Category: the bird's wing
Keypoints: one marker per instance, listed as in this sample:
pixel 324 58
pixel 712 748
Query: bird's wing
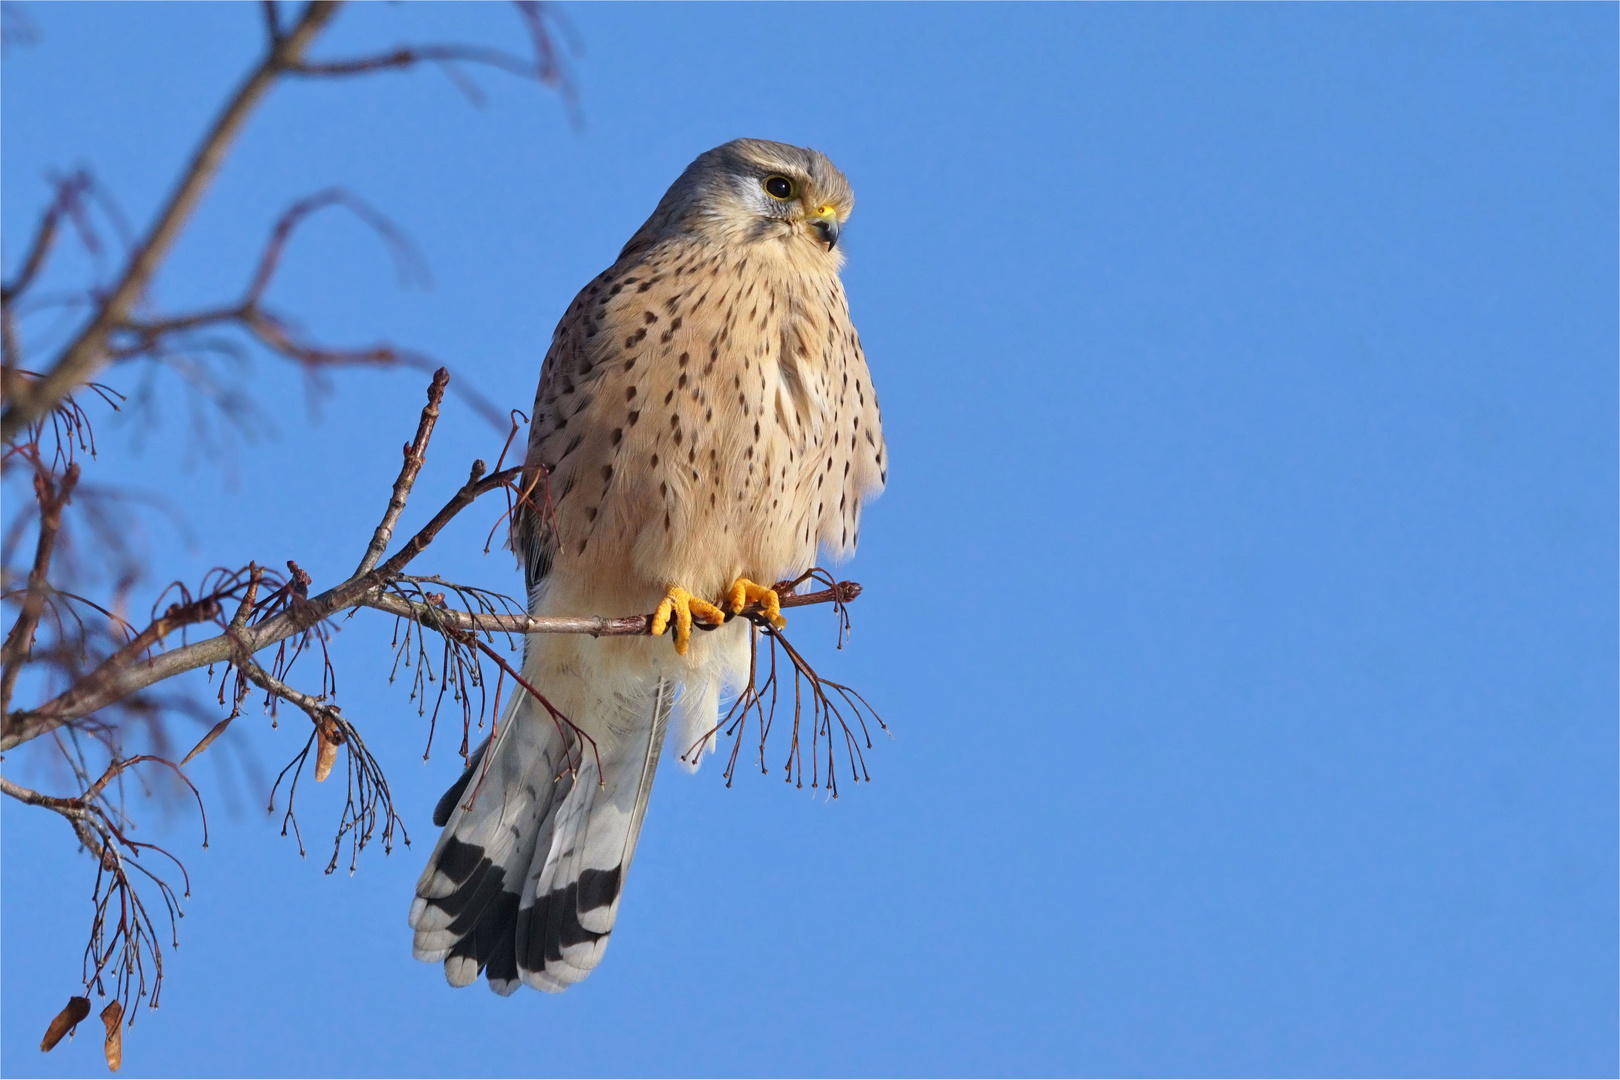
pixel 568 382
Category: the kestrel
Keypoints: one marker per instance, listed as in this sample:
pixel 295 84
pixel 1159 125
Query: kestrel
pixel 704 422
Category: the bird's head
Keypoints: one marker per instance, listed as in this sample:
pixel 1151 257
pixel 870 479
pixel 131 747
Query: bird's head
pixel 752 190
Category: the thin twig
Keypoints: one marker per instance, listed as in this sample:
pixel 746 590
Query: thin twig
pixel 68 192
pixel 51 497
pixel 415 457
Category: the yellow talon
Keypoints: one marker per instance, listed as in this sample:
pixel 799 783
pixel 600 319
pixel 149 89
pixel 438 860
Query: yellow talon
pixel 744 592
pixel 683 606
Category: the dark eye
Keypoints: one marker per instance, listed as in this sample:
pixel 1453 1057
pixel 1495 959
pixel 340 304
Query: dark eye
pixel 779 187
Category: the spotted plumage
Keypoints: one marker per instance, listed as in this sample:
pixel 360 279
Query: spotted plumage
pixel 704 415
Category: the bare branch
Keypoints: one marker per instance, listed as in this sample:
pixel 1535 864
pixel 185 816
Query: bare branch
pixel 88 351
pixel 316 709
pixel 434 618
pixel 407 56
pixel 123 673
pixel 594 625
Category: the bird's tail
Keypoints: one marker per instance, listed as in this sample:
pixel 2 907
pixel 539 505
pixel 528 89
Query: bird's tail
pixel 538 834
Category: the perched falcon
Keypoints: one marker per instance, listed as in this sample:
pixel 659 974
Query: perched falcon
pixel 705 422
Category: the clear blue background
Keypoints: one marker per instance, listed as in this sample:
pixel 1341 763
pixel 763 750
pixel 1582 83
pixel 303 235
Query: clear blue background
pixel 1243 601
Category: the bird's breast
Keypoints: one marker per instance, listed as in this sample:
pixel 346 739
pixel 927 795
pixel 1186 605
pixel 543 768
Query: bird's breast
pixel 711 423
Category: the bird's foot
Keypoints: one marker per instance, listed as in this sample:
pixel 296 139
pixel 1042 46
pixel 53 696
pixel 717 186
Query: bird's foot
pixel 744 592
pixel 682 606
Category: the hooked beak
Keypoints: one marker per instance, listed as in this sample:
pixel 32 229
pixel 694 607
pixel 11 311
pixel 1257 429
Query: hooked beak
pixel 825 223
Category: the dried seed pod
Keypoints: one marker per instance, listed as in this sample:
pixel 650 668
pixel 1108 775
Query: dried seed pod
pixel 113 1017
pixel 77 1009
pixel 327 738
pixel 207 740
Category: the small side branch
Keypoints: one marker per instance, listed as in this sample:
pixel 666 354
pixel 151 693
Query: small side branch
pixel 68 194
pixel 415 457
pixel 369 801
pixel 51 496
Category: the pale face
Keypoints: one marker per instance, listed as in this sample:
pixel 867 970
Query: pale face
pixel 786 195
pixel 750 190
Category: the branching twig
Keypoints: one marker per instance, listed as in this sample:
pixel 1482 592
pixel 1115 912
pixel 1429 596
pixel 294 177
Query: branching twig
pixel 87 352
pixel 123 935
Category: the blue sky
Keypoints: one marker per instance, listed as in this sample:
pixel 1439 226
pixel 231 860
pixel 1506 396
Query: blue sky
pixel 1242 602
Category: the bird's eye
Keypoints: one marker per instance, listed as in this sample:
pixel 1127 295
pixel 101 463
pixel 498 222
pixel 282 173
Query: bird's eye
pixel 779 187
